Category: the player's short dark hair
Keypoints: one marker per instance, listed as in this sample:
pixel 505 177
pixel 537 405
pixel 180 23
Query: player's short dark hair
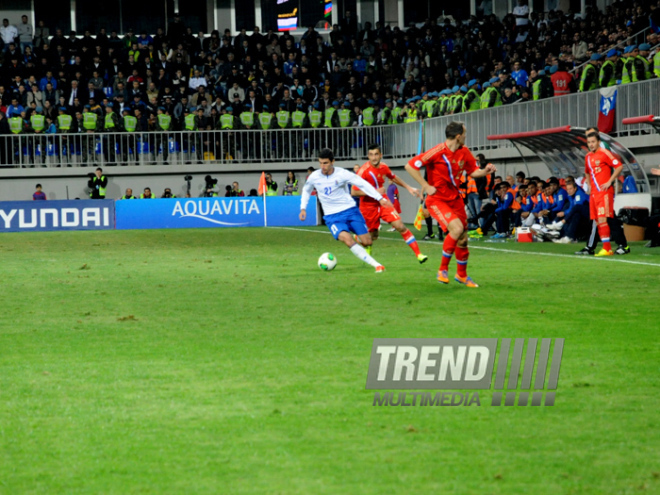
pixel 522 186
pixel 554 181
pixel 591 129
pixel 375 146
pixel 504 184
pixel 521 175
pixel 327 154
pixel 593 135
pixel 38 186
pixel 541 185
pixel 454 129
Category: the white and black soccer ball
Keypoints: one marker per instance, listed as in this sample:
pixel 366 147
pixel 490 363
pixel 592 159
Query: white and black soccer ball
pixel 327 262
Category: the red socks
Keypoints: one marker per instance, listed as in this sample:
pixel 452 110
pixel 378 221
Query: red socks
pixel 411 241
pixel 448 248
pixel 604 233
pixel 462 255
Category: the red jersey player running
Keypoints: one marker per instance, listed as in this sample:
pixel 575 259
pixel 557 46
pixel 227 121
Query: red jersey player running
pixel 375 172
pixel 444 165
pixel 601 170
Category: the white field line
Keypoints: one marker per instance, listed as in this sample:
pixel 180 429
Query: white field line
pixel 484 248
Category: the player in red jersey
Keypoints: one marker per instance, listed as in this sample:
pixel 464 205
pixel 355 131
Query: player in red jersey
pixel 444 165
pixel 600 171
pixel 375 172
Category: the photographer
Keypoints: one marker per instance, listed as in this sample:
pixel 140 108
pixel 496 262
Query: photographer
pixel 209 188
pixel 97 183
pixel 168 193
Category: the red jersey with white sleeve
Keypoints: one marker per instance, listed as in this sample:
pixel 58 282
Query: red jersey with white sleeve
pixel 599 167
pixel 376 177
pixel 444 169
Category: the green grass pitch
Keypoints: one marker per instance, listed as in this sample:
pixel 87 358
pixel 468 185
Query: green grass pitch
pixel 225 361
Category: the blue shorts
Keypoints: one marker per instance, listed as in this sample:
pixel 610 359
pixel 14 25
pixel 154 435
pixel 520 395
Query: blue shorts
pixel 350 220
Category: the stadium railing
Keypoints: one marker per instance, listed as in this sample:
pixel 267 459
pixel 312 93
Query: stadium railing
pixel 293 145
pixel 577 110
pixel 204 146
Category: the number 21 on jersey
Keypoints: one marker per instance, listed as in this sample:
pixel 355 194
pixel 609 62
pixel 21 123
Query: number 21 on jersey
pixel 327 191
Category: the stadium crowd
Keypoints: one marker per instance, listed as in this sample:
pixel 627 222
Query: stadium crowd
pixel 58 83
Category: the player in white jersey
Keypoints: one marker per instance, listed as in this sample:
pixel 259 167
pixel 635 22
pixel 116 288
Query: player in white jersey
pixel 333 189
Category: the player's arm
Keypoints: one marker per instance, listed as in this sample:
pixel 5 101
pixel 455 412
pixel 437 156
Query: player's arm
pixel 418 177
pixel 367 188
pixel 616 164
pixel 655 171
pixel 483 172
pixel 615 174
pixel 400 182
pixel 560 203
pixel 506 204
pixel 304 199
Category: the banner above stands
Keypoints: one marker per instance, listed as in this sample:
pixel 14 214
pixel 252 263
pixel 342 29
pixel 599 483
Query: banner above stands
pixel 34 216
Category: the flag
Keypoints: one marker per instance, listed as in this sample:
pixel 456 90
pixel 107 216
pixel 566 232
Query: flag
pixel 419 218
pixel 607 110
pixel 262 184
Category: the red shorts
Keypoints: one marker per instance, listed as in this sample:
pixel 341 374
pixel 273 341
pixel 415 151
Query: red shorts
pixel 446 211
pixel 373 214
pixel 601 204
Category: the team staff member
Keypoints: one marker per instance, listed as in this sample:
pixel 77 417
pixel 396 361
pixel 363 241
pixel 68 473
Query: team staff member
pixel 97 184
pixel 601 170
pixel 444 165
pixel 375 172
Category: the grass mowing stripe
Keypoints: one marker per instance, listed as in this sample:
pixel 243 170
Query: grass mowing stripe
pixel 484 248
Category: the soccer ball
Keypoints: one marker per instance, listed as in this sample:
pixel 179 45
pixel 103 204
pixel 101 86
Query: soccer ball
pixel 327 262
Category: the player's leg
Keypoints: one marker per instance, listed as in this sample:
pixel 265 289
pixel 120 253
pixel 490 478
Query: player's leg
pixel 395 221
pixel 428 219
pixel 371 215
pixel 604 233
pixel 462 254
pixel 593 237
pixel 618 235
pixel 454 228
pixel 603 211
pixel 355 223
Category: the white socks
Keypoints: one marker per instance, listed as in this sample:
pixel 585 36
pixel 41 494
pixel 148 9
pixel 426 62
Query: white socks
pixel 360 252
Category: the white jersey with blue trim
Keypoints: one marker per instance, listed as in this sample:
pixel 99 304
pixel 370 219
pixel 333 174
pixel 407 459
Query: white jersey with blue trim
pixel 334 190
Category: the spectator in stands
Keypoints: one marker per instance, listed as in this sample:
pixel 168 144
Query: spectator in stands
pixel 8 33
pixel 39 195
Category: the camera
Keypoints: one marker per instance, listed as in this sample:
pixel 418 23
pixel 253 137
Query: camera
pixel 210 181
pixel 188 178
pixel 91 175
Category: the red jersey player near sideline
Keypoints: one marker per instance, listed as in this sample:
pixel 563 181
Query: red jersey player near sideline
pixel 601 170
pixel 375 172
pixel 444 165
